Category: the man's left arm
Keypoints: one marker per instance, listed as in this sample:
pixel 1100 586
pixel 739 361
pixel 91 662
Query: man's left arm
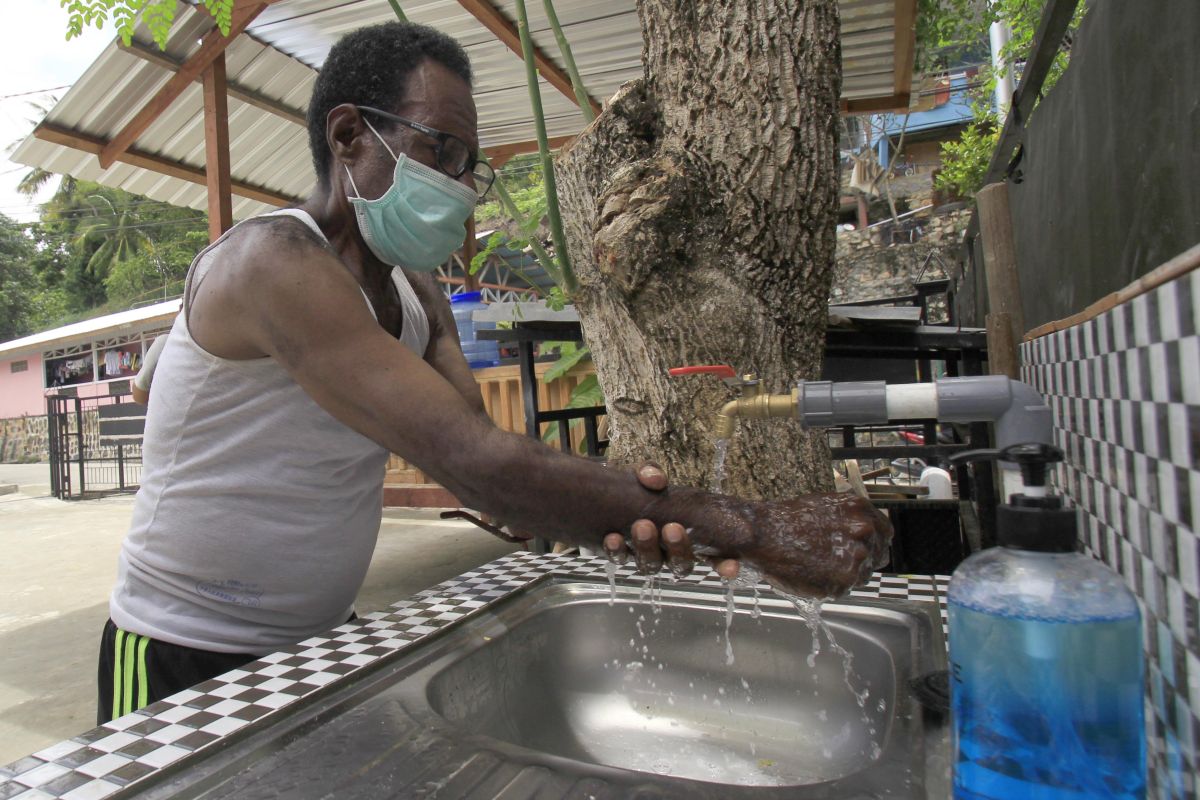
pixel 444 352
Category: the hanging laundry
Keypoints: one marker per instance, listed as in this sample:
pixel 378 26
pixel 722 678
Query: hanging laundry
pixel 866 171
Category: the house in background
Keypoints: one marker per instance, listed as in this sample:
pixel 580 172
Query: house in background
pixel 940 113
pixel 90 358
pixel 940 116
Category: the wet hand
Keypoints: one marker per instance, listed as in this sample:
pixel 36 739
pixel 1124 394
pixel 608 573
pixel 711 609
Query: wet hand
pixel 818 545
pixel 652 548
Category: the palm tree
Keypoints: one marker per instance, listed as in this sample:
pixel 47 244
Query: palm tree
pixel 116 233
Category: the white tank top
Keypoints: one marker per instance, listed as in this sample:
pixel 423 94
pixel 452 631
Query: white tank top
pixel 258 511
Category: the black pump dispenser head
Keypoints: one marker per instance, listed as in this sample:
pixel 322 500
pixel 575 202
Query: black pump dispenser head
pixel 1034 519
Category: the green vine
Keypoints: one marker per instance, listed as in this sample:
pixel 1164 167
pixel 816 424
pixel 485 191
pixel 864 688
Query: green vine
pixel 157 15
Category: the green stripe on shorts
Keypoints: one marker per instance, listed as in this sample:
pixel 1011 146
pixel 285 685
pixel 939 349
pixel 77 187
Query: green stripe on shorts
pixel 117 644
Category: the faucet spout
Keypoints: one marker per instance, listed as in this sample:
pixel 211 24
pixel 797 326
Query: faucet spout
pixel 756 406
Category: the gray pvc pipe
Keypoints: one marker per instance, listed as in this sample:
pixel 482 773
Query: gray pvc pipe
pixel 823 404
pixel 1017 410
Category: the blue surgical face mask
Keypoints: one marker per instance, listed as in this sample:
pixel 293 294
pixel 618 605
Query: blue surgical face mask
pixel 420 220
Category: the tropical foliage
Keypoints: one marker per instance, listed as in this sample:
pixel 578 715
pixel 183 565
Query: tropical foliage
pixel 93 250
pixel 953 32
pixel 125 14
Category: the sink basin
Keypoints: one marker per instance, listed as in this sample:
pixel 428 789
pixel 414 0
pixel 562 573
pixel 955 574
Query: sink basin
pixel 579 680
pixel 562 689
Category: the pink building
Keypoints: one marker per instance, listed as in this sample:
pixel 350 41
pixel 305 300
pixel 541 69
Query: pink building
pixel 94 357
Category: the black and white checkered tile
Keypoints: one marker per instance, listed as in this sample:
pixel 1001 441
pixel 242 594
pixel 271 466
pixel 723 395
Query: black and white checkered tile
pixel 1125 392
pixel 110 758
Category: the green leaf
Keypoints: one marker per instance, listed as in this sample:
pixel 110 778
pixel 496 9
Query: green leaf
pixel 157 15
pixel 493 243
pixel 556 299
pixel 566 361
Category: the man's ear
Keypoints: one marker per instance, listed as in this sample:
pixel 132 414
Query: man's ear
pixel 344 131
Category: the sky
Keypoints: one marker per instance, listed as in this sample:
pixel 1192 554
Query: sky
pixel 37 64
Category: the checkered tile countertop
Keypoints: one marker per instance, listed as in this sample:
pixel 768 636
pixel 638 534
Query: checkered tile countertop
pixel 119 754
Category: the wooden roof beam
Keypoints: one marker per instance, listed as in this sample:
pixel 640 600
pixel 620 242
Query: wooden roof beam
pixel 212 44
pixel 506 31
pixel 906 46
pixel 240 93
pixel 897 103
pixel 502 153
pixel 54 134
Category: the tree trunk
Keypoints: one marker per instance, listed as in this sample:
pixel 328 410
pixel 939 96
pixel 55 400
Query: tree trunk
pixel 700 209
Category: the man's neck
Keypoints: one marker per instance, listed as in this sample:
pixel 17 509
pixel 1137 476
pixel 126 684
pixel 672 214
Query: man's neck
pixel 335 217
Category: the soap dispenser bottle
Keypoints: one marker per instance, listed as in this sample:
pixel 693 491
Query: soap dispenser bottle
pixel 1045 657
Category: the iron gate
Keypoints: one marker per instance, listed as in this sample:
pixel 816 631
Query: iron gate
pixel 95 445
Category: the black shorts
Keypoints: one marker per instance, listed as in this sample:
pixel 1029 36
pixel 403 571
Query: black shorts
pixel 136 671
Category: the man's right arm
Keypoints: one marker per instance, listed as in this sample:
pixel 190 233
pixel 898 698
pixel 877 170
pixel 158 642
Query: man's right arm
pixel 302 307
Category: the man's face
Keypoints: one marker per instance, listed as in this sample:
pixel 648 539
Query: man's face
pixel 436 97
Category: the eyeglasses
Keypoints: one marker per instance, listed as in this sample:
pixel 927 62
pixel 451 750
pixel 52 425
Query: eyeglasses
pixel 453 155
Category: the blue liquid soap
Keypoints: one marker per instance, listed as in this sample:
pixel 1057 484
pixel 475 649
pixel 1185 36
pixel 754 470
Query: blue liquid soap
pixel 1047 679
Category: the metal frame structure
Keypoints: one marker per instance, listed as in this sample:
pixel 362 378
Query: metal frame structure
pixel 526 335
pixel 80 468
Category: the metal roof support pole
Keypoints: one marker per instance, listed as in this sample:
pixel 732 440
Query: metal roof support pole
pixel 216 149
pixel 539 118
pixel 564 47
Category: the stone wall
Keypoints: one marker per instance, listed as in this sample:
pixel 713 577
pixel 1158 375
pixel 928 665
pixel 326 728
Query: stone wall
pixel 24 440
pixel 884 261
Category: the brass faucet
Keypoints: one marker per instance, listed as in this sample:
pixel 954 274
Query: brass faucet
pixel 755 403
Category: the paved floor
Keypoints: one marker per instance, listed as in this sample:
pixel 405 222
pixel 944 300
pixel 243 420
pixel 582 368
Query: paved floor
pixel 59 564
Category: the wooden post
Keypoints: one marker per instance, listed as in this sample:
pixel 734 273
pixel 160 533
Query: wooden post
pixel 1003 357
pixel 216 149
pixel 863 219
pixel 471 282
pixel 1006 319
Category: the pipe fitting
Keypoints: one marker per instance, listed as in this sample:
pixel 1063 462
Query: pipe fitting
pixel 1018 411
pixel 823 404
pixel 757 406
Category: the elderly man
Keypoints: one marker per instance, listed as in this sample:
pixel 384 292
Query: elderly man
pixel 314 341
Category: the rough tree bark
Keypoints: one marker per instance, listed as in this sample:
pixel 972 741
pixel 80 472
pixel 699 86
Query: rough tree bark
pixel 700 209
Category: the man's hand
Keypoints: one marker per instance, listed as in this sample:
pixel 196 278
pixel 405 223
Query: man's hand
pixel 818 545
pixel 651 545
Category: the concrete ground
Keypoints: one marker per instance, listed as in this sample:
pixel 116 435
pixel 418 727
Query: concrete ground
pixel 58 566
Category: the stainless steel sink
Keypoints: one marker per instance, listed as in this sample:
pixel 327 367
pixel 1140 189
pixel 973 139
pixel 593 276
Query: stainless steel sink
pixel 558 691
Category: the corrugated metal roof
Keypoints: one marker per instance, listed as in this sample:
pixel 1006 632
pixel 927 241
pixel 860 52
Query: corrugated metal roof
pixel 121 322
pixel 278 56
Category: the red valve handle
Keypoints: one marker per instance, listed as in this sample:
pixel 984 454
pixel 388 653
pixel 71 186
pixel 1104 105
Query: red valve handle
pixel 720 370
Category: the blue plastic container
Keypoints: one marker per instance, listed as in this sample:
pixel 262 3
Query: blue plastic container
pixel 479 353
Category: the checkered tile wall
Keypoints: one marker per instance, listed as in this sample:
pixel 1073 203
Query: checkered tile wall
pixel 1125 392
